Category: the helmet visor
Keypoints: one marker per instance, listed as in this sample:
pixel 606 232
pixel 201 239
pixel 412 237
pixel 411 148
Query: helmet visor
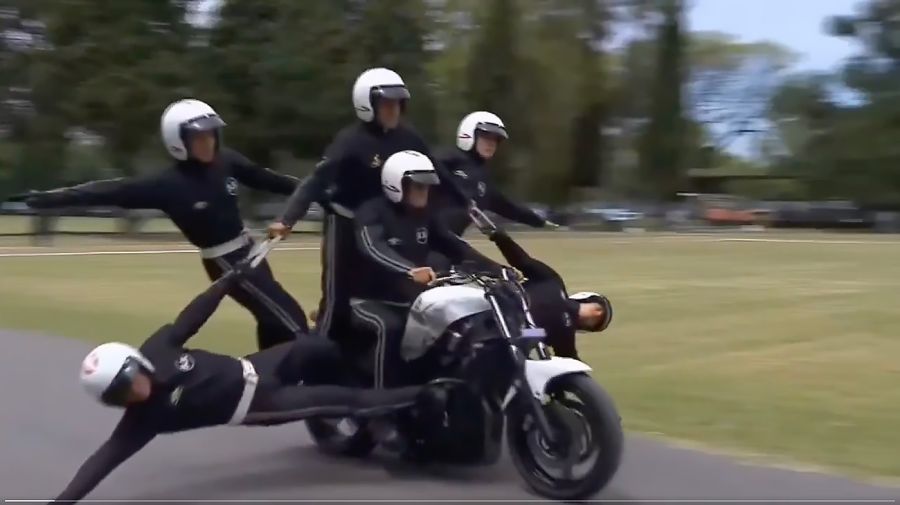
pixel 396 92
pixel 492 128
pixel 119 389
pixel 428 178
pixel 202 124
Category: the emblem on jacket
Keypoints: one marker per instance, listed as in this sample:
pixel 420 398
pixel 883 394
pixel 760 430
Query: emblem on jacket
pixel 231 185
pixel 376 161
pixel 567 319
pixel 394 241
pixel 185 362
pixel 461 174
pixel 482 188
pixel 422 235
pixel 201 205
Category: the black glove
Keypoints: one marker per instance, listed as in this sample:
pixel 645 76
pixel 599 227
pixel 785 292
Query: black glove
pixel 497 234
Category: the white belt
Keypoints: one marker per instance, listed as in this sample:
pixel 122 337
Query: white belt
pixel 232 245
pixel 250 381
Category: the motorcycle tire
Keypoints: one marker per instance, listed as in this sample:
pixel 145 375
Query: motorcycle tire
pixel 330 440
pixel 595 409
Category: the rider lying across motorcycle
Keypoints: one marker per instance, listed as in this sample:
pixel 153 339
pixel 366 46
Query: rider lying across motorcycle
pixel 395 235
pixel 164 387
pixel 552 308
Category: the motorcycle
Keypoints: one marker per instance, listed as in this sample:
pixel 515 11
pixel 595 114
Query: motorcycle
pixel 474 333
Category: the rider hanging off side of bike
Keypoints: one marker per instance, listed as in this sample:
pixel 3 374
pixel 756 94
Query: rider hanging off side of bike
pixel 560 314
pixel 395 234
pixel 164 387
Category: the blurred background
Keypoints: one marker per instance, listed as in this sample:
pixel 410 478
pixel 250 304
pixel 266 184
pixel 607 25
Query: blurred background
pixel 623 113
pixel 731 119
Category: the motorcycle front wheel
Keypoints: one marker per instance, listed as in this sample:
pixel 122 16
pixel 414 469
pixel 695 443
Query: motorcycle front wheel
pixel 588 454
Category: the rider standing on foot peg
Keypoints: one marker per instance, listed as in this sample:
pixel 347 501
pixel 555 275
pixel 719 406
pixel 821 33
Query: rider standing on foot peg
pixel 199 193
pixel 561 315
pixel 347 176
pixel 395 235
pixel 166 388
pixel 477 139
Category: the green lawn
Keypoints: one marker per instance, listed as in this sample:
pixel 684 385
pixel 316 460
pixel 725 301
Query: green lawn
pixel 783 349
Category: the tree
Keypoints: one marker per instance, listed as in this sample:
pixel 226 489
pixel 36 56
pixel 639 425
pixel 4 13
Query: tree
pixel 30 111
pixel 848 149
pixel 568 91
pixel 232 65
pixel 729 84
pixel 114 66
pixel 494 74
pixel 661 148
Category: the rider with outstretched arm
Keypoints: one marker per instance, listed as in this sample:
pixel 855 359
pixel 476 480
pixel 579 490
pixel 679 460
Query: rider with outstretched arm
pixel 552 308
pixel 478 137
pixel 167 388
pixel 347 176
pixel 199 193
pixel 395 233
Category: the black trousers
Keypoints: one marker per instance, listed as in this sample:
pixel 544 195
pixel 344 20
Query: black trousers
pixel 279 318
pixel 379 327
pixel 339 255
pixel 279 399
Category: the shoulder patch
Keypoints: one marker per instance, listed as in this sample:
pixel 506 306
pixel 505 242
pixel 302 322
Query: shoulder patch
pixel 185 362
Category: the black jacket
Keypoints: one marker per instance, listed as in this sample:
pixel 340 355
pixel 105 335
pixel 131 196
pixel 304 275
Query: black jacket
pixel 393 240
pixel 350 172
pixel 201 199
pixel 548 297
pixel 191 389
pixel 470 174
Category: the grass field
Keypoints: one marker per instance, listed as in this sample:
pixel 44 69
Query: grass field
pixel 787 348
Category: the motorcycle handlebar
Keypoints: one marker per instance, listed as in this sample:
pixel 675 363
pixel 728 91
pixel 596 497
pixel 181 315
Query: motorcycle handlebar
pixel 455 276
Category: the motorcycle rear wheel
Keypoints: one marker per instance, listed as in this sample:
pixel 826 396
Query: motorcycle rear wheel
pixel 590 413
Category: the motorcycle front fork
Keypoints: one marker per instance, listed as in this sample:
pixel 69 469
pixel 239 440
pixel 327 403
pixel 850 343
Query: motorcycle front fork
pixel 532 405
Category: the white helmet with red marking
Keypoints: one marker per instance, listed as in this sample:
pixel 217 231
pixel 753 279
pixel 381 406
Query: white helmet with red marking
pixel 108 371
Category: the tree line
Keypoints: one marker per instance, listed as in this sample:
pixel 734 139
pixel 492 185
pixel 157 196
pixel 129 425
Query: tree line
pixel 601 98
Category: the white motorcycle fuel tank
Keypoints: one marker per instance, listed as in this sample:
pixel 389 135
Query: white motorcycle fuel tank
pixel 434 311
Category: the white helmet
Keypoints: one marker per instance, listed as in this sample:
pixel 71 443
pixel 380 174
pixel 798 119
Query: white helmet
pixel 478 121
pixel 373 84
pixel 108 371
pixel 591 297
pixel 183 116
pixel 411 165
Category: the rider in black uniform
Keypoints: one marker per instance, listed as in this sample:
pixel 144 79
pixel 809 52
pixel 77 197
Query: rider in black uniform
pixel 395 233
pixel 167 388
pixel 199 194
pixel 552 308
pixel 347 176
pixel 477 139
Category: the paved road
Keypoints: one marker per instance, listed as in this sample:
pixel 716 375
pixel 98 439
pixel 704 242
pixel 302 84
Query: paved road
pixel 49 426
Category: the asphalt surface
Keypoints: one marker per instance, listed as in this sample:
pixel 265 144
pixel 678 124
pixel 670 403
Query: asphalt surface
pixel 49 427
